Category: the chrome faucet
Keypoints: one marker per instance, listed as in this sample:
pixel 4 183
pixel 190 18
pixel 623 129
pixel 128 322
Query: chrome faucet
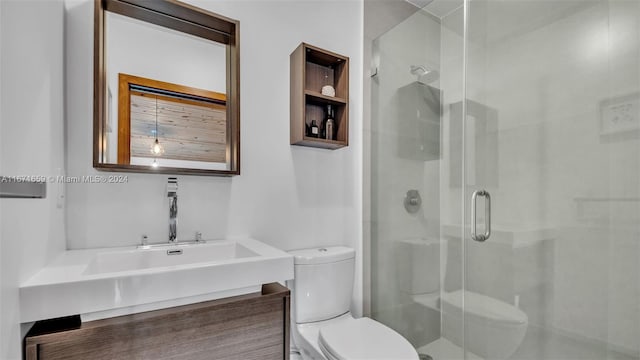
pixel 172 193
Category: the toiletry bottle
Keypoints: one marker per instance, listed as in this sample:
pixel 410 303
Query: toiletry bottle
pixel 314 129
pixel 323 124
pixel 329 123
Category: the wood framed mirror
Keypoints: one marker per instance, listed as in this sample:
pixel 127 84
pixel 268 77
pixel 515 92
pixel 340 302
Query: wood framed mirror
pixel 166 89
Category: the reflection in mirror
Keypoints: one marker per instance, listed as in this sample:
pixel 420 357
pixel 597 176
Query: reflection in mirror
pixel 171 125
pixel 169 98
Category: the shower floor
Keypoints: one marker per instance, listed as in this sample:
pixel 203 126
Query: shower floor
pixel 538 344
pixel 544 344
pixel 443 349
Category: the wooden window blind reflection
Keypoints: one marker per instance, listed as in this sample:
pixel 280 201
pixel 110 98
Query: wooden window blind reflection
pixel 192 123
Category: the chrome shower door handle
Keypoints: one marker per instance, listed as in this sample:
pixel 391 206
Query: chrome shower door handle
pixel 487 216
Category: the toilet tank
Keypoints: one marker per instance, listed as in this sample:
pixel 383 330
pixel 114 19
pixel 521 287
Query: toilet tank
pixel 419 265
pixel 323 283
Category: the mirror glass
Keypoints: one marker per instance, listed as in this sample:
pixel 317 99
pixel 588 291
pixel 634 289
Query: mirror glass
pixel 165 98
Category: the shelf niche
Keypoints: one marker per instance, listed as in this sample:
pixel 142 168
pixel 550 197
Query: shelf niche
pixel 311 69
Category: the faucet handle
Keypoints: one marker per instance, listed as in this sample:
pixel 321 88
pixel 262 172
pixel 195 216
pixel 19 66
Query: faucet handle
pixel 198 236
pixel 144 240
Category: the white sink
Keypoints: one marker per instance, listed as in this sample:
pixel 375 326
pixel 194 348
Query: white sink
pixel 167 256
pixel 98 283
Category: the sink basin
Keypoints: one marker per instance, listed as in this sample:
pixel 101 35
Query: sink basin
pixel 167 256
pixel 100 283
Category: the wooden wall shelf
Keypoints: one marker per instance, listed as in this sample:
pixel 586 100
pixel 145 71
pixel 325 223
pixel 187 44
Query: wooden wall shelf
pixel 314 96
pixel 311 69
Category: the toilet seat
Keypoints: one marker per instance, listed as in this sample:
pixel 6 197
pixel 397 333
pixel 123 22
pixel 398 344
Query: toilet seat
pixel 363 339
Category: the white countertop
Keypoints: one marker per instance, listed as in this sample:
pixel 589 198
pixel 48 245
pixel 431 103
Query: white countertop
pixel 65 287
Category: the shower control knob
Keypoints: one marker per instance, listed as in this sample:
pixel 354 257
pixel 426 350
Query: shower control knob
pixel 412 201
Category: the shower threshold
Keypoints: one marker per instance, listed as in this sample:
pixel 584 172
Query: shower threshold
pixel 443 349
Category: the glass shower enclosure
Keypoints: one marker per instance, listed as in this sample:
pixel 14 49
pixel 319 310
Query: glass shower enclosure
pixel 504 169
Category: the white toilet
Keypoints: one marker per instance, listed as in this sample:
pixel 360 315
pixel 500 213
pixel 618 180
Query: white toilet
pixel 323 328
pixel 494 329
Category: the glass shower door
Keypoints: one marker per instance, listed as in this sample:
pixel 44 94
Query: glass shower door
pixel 551 137
pixel 405 159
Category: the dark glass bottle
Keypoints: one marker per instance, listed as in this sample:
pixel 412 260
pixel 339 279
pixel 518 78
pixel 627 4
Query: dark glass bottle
pixel 314 131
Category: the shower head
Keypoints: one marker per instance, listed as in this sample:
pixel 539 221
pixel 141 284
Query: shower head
pixel 424 74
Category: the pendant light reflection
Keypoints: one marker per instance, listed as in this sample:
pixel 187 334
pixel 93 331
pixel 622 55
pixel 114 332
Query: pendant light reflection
pixel 156 148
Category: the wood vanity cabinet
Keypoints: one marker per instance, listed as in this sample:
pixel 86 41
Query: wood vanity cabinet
pixel 252 326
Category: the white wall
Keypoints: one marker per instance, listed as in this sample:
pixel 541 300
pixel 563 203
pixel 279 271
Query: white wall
pixel 143 49
pixel 287 196
pixel 139 48
pixel 31 117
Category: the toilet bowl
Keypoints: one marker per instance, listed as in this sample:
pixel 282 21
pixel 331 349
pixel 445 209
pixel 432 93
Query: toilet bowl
pixel 346 338
pixel 494 329
pixel 322 326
